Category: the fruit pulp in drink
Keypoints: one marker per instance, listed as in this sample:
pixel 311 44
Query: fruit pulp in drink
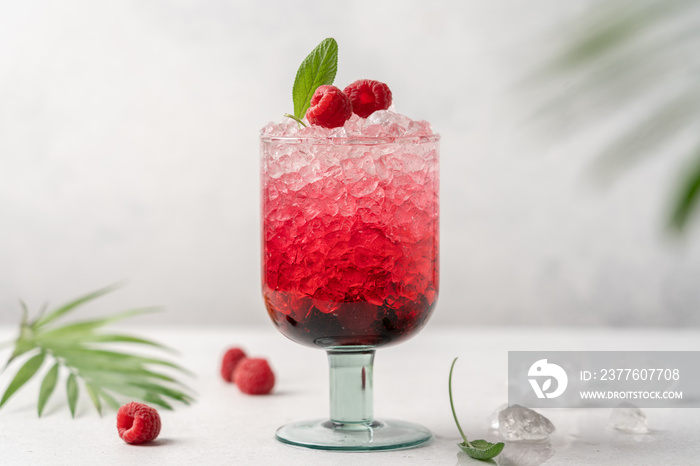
pixel 350 238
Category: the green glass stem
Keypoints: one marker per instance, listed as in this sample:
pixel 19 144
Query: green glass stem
pixel 352 426
pixel 351 387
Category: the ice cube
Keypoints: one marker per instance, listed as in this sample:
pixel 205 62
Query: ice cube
pixel 519 423
pixel 313 131
pixel 353 126
pixel 419 128
pixel 363 187
pixel 628 418
pixel 376 131
pixel 493 418
pixel 285 128
pixel 526 453
pixel 386 118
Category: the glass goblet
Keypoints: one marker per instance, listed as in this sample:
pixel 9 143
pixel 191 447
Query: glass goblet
pixel 350 263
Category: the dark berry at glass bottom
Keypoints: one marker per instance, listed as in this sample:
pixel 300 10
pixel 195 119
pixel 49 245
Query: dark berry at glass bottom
pixel 350 263
pixel 352 323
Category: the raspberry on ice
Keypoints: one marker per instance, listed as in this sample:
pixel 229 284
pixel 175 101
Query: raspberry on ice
pixel 329 108
pixel 368 96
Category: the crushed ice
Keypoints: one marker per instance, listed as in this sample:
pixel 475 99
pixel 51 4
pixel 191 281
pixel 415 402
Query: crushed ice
pixel 382 123
pixel 493 418
pixel 526 453
pixel 519 423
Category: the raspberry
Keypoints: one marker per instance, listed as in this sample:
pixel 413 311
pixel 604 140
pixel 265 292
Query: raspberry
pixel 229 362
pixel 137 423
pixel 330 108
pixel 368 96
pixel 254 376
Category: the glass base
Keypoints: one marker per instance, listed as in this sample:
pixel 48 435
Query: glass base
pixel 322 434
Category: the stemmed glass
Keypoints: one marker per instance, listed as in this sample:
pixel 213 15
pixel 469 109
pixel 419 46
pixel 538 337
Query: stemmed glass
pixel 350 263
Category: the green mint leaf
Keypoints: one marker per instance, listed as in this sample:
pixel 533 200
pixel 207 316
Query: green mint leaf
pixel 72 393
pixel 477 449
pixel 24 373
pixel 317 69
pixel 481 449
pixel 47 386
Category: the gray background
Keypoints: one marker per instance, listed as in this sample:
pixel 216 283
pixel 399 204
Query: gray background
pixel 128 150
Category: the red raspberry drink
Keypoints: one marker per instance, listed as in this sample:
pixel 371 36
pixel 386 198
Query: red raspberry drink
pixel 349 242
pixel 350 230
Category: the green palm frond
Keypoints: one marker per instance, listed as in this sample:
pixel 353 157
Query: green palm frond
pixel 78 349
pixel 626 52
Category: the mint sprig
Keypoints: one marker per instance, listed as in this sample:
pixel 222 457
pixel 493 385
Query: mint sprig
pixel 477 449
pixel 300 122
pixel 78 349
pixel 317 69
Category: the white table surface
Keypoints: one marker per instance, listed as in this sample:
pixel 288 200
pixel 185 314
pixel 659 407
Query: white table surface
pixel 227 427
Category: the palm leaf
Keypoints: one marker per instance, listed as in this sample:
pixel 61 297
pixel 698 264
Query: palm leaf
pixel 72 305
pixel 84 328
pixel 110 381
pixel 23 375
pixel 72 393
pixel 80 348
pixel 21 347
pixel 116 338
pixel 625 51
pixel 688 195
pixel 78 354
pixel 109 399
pixel 614 25
pixel 47 387
pixel 670 118
pixel 94 397
pixel 165 391
pixel 133 391
pixel 25 311
pixel 118 371
pixel 156 400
